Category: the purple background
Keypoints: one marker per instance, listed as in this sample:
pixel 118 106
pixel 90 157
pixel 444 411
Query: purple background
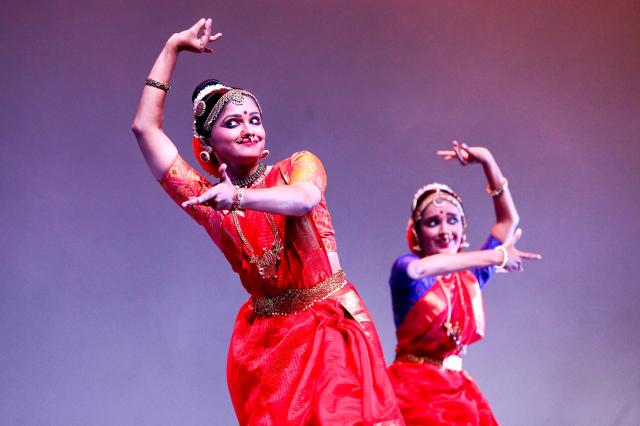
pixel 116 308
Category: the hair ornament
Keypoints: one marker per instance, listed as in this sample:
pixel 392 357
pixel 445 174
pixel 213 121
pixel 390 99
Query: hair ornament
pixel 198 111
pixel 208 89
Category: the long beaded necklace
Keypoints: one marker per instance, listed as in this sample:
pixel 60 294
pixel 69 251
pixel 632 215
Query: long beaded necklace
pixel 267 262
pixel 454 331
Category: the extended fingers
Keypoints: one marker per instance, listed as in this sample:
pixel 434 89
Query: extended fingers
pixel 513 238
pixel 446 155
pixel 461 153
pixel 222 171
pixel 517 235
pixel 190 202
pixel 212 38
pixel 529 255
pixel 196 27
pixel 207 197
pixel 206 33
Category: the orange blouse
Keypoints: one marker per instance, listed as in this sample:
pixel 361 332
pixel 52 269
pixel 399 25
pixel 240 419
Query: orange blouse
pixel 307 239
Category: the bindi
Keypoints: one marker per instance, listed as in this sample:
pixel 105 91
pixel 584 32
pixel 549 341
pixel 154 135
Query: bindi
pixel 245 112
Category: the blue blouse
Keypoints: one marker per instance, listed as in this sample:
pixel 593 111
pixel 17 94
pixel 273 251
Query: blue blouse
pixel 405 291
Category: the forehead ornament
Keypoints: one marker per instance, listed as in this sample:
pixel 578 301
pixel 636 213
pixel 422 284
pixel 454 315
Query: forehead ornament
pixel 236 97
pixel 441 194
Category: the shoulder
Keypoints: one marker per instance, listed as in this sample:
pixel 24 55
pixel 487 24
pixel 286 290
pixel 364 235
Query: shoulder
pixel 303 166
pixel 399 274
pixel 305 159
pixel 491 243
pixel 299 159
pixel 181 173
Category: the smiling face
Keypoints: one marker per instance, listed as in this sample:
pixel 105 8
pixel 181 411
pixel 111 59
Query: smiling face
pixel 237 136
pixel 440 229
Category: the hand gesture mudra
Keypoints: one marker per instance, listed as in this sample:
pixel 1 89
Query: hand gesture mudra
pixel 466 154
pixel 220 196
pixel 196 38
pixel 516 256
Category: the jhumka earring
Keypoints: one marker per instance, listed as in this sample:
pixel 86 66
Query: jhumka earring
pixel 205 154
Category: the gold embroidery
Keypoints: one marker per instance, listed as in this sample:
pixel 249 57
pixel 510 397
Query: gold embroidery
pixel 294 300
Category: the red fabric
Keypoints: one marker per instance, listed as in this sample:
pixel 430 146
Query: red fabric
pixel 321 366
pixel 428 394
pixel 318 367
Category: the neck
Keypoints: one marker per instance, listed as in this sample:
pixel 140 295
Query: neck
pixel 240 171
pixel 246 177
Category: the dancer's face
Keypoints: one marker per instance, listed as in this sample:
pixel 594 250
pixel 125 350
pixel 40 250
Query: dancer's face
pixel 440 229
pixel 237 136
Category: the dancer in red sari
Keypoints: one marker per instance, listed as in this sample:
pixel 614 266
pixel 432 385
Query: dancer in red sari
pixel 437 299
pixel 304 349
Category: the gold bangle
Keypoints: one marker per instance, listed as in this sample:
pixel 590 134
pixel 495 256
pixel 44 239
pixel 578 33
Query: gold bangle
pixel 157 84
pixel 504 184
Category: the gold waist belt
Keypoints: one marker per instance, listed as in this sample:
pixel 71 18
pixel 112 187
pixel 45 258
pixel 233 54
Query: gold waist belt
pixel 294 300
pixel 452 362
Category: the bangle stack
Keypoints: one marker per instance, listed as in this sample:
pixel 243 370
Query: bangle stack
pixel 157 84
pixel 504 184
pixel 505 256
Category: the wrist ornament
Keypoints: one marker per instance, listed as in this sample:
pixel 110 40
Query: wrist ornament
pixel 157 84
pixel 505 256
pixel 237 204
pixel 504 184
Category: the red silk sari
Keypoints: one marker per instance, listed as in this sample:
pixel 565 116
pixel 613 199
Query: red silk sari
pixel 320 366
pixel 428 392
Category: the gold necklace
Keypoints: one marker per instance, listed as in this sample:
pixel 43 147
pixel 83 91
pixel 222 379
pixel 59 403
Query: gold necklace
pixel 267 262
pixel 454 331
pixel 249 181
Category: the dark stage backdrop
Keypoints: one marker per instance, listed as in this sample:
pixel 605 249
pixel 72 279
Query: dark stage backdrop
pixel 117 309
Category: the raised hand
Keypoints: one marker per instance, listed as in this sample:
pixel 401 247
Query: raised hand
pixel 221 196
pixel 196 38
pixel 516 256
pixel 466 154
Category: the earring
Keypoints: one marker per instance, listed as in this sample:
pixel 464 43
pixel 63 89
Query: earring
pixel 464 244
pixel 205 154
pixel 416 242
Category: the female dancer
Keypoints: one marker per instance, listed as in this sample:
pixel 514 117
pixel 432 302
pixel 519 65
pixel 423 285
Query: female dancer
pixel 437 302
pixel 304 349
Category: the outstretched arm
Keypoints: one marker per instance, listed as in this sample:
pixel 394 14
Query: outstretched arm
pixel 510 258
pixel 507 255
pixel 158 150
pixel 299 197
pixel 507 217
pixel 296 199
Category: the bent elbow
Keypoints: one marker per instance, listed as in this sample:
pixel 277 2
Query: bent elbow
pixel 141 126
pixel 137 128
pixel 310 197
pixel 516 220
pixel 306 207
